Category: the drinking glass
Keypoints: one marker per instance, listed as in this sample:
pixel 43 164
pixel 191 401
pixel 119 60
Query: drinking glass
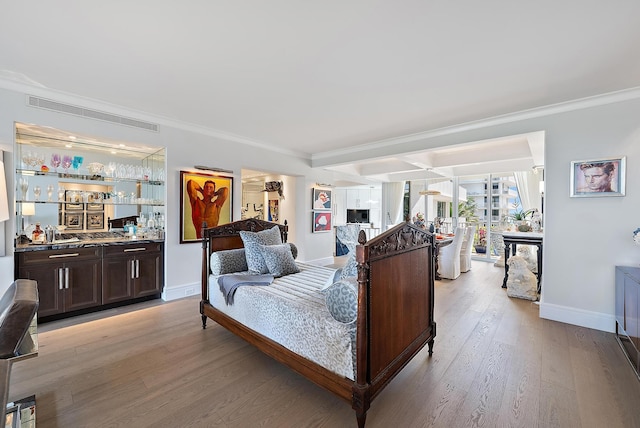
pixel 36 192
pixel 66 163
pixel 24 187
pixel 55 161
pixel 49 192
pixel 77 162
pixel 60 193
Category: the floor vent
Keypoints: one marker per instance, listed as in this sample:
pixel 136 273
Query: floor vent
pixel 92 114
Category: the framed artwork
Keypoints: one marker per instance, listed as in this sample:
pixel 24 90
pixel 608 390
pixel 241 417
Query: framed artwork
pixel 74 221
pixel 273 210
pixel 598 178
pixel 95 220
pixel 321 221
pixel 321 199
pixel 74 200
pixel 203 198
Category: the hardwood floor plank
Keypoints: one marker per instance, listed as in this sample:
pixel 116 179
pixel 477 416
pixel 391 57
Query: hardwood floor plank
pixel 495 363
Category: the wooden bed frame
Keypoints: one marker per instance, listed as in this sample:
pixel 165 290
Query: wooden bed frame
pixel 395 308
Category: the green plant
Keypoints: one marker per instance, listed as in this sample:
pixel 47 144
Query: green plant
pixel 467 209
pixel 520 214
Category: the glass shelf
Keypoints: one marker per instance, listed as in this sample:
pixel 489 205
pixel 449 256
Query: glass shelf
pixel 85 178
pixel 153 203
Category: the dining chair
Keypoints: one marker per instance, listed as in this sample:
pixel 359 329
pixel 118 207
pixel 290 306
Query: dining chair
pixel 465 251
pixel 449 256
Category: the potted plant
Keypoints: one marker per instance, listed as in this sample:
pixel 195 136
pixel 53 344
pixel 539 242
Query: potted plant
pixel 481 240
pixel 520 217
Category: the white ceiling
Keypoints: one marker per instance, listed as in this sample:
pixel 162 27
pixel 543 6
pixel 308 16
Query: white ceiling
pixel 316 77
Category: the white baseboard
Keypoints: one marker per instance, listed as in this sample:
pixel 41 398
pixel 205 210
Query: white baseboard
pixel 181 291
pixel 582 318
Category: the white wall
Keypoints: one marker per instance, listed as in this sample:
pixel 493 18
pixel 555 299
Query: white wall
pixel 585 238
pixel 185 148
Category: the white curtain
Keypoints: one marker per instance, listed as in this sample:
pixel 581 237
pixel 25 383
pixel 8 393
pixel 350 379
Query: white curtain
pixel 529 189
pixel 392 199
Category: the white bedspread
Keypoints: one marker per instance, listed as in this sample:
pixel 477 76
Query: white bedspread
pixel 291 311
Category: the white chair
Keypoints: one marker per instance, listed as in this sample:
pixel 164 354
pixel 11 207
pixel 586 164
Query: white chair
pixel 449 257
pixel 465 251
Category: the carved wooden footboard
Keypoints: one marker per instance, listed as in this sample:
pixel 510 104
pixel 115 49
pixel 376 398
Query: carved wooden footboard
pixel 395 309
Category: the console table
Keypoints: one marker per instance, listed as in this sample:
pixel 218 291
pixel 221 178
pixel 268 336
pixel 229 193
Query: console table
pixel 511 240
pixel 628 313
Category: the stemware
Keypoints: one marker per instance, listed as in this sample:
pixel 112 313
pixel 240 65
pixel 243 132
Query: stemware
pixel 66 163
pixel 55 161
pixel 36 192
pixel 24 187
pixel 60 193
pixel 49 192
pixel 77 162
pixel 111 169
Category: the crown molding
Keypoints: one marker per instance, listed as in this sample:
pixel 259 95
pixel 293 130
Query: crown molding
pixel 78 100
pixel 322 159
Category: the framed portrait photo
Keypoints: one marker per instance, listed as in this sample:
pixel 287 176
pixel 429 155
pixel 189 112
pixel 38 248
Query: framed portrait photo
pixel 203 198
pixel 598 178
pixel 321 199
pixel 321 221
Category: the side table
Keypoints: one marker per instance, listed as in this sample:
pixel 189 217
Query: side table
pixel 511 240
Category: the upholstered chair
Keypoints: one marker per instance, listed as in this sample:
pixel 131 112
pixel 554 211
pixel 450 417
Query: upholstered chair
pixel 465 251
pixel 449 257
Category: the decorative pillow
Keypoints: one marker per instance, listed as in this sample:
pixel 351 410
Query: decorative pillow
pixel 333 278
pixel 252 242
pixel 294 250
pixel 341 299
pixel 279 259
pixel 228 261
pixel 350 269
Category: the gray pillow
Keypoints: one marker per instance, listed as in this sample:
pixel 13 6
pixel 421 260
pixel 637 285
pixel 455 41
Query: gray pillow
pixel 228 261
pixel 252 242
pixel 350 269
pixel 341 299
pixel 279 259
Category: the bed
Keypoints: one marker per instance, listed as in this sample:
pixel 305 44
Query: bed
pixel 393 319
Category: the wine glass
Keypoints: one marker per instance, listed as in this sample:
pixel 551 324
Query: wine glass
pixel 66 163
pixel 49 192
pixel 24 187
pixel 55 161
pixel 77 162
pixel 36 192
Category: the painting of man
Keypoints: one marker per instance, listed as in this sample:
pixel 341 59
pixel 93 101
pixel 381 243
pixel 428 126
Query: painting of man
pixel 205 199
pixel 598 178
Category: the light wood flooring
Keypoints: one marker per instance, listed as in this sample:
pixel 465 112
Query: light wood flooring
pixel 495 364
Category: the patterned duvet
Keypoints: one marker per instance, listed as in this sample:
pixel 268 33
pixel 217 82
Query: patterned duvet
pixel 292 312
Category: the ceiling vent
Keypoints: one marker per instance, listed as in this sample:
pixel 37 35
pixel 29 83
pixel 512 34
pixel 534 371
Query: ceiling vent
pixel 88 113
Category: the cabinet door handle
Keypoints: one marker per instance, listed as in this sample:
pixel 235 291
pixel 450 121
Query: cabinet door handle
pixel 66 277
pixel 60 279
pixel 137 268
pixel 133 269
pixel 129 250
pixel 59 256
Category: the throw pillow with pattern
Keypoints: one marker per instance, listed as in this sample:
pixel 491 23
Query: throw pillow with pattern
pixel 252 242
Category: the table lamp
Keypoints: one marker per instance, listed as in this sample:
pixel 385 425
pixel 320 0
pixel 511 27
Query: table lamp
pixel 28 209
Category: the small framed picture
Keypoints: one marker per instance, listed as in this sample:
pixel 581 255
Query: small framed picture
pixel 321 221
pixel 74 221
pixel 321 199
pixel 95 220
pixel 598 178
pixel 74 201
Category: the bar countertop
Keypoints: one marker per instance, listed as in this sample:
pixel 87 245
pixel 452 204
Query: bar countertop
pixel 87 239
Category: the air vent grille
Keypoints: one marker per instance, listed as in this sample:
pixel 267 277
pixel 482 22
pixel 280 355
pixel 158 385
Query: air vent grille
pixel 88 113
